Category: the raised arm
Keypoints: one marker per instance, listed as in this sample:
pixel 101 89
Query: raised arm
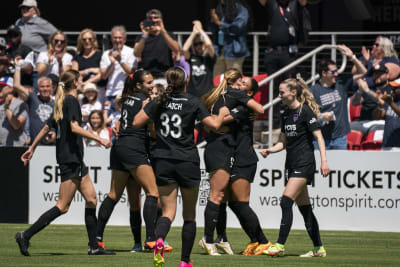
pixel 321 145
pixel 22 91
pixel 360 69
pixel 172 44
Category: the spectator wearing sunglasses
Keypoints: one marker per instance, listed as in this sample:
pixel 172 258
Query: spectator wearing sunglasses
pixel 331 95
pixel 55 60
pixel 35 30
pixel 198 50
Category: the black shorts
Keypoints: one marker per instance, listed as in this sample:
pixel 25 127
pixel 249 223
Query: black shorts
pixel 219 155
pixel 247 172
pixel 73 170
pixel 307 171
pixel 170 171
pixel 124 158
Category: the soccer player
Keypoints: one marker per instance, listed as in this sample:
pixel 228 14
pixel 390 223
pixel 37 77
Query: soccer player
pixel 220 149
pixel 299 127
pixel 176 159
pixel 129 156
pixel 242 175
pixel 66 119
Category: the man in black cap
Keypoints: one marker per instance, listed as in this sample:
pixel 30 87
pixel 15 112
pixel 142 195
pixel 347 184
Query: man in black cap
pixel 15 48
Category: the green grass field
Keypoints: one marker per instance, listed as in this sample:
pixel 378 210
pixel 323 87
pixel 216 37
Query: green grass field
pixel 67 246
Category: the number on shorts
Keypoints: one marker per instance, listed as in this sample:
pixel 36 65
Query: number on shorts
pixel 175 130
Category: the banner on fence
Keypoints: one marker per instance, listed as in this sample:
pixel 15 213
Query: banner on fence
pixel 361 193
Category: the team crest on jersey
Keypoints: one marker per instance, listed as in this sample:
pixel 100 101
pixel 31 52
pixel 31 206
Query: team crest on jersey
pixel 295 117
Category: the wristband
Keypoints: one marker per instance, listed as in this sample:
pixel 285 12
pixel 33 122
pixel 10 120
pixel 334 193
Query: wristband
pixel 120 62
pixel 353 57
pixel 18 67
pixel 86 71
pixel 204 36
pixel 144 36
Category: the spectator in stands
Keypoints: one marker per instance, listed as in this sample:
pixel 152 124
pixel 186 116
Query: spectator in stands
pixel 382 52
pixel 89 101
pixel 13 115
pixel 331 95
pixel 97 127
pixel 55 60
pixel 199 51
pixel 231 19
pixel 15 49
pixel 115 65
pixel 87 61
pixel 287 27
pixel 387 96
pixel 35 30
pixel 40 106
pixel 155 46
pixel 113 117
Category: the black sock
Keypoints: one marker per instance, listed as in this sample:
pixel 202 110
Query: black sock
pixel 162 228
pixel 249 221
pixel 105 211
pixel 287 219
pixel 311 224
pixel 42 222
pixel 159 213
pixel 221 223
pixel 150 217
pixel 135 220
pixel 210 221
pixel 188 236
pixel 91 226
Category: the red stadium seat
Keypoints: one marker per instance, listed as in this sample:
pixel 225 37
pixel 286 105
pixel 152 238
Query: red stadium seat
pixel 354 140
pixel 373 141
pixel 354 111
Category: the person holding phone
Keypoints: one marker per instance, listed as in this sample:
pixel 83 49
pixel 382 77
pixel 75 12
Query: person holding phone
pixel 155 46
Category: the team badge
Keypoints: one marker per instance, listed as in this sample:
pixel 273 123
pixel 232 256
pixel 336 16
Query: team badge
pixel 295 117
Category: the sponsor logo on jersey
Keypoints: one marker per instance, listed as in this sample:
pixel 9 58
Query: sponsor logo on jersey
pixel 313 120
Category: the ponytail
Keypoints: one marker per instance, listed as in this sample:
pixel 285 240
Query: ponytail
pixel 64 86
pixel 303 94
pixel 230 77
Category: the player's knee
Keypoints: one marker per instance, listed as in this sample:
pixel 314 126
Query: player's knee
pixel 63 207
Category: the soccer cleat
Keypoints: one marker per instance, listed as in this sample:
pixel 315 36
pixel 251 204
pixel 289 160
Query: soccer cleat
pixel 23 243
pixel 100 251
pixel 167 247
pixel 316 252
pixel 225 246
pixel 101 244
pixel 159 253
pixel 261 247
pixel 137 247
pixel 210 248
pixel 184 264
pixel 275 250
pixel 251 247
pixel 148 245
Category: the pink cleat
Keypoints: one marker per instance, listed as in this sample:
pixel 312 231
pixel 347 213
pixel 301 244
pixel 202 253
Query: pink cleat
pixel 184 264
pixel 159 253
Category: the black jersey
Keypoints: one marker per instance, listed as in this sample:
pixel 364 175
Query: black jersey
pixel 231 99
pixel 128 135
pixel 298 127
pixel 174 122
pixel 69 146
pixel 244 151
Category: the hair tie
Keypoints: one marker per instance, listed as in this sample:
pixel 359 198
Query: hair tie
pixel 184 72
pixel 131 76
pixel 62 84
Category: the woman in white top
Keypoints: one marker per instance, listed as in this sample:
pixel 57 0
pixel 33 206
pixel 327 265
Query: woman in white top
pixel 55 60
pixel 97 127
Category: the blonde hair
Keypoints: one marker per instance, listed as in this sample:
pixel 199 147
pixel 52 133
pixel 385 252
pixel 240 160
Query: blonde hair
pixel 51 39
pixel 387 47
pixel 303 94
pixel 80 46
pixel 230 77
pixel 64 86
